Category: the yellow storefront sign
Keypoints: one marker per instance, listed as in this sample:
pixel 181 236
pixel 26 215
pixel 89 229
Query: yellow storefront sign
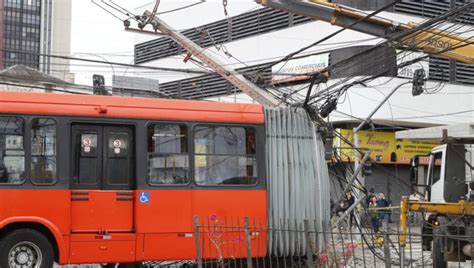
pixel 383 146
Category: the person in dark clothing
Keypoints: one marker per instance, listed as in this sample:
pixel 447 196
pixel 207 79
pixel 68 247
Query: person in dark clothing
pixel 341 207
pixel 333 206
pixel 374 214
pixel 368 199
pixel 3 174
pixel 382 202
pixel 350 200
pixel 370 196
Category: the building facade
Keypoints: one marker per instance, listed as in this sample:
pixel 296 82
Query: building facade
pixel 31 31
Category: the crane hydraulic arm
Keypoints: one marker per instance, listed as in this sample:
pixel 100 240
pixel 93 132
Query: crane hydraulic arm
pixel 460 208
pixel 432 41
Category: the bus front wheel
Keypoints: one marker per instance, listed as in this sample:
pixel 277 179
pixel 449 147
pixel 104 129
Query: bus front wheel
pixel 26 248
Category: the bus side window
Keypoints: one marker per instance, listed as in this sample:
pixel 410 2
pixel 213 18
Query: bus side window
pixel 225 155
pixel 168 155
pixel 12 151
pixel 43 151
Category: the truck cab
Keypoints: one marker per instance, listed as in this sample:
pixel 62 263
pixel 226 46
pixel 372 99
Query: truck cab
pixel 448 179
pixel 449 173
pixel 448 225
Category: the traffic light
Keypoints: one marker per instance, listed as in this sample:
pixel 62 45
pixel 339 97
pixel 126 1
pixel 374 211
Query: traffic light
pixel 98 85
pixel 418 82
pixel 367 169
pixel 328 107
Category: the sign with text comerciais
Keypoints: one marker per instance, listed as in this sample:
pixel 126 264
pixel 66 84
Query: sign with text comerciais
pixel 297 69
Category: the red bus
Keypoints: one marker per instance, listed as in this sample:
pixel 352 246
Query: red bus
pixel 100 179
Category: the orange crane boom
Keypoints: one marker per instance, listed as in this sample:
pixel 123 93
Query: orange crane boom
pixel 431 41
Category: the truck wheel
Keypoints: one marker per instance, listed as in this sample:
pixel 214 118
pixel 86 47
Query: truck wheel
pixel 438 250
pixel 26 248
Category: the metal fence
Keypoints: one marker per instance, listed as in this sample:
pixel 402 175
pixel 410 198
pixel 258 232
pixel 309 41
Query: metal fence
pixel 245 243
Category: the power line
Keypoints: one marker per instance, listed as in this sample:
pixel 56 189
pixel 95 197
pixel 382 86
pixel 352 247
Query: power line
pixel 34 85
pixel 381 73
pixel 413 31
pixel 166 69
pixel 436 115
pixel 396 106
pixel 181 8
pixel 40 87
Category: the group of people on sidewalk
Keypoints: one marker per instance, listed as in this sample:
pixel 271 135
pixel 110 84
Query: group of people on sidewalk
pixel 375 204
pixel 378 208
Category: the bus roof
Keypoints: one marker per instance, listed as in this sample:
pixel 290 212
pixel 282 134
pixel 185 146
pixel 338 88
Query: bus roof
pixel 128 107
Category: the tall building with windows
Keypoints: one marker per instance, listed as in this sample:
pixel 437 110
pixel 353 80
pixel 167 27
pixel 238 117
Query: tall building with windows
pixel 33 29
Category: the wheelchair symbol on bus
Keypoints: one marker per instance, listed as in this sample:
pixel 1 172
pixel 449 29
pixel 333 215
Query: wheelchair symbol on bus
pixel 144 197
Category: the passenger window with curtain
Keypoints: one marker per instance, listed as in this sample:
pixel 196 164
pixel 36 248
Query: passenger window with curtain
pixel 12 151
pixel 225 156
pixel 168 155
pixel 43 151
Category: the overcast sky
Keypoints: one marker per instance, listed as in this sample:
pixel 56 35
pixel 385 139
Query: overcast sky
pixel 95 34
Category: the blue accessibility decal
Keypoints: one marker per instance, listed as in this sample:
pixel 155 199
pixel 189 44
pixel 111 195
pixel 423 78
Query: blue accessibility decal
pixel 144 197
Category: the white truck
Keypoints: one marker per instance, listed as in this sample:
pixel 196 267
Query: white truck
pixel 447 227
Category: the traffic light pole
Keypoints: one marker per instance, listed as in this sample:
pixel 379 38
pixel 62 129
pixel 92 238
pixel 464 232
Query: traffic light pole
pixel 359 127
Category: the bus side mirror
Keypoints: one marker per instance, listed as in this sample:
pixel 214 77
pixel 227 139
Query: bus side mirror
pixel 414 162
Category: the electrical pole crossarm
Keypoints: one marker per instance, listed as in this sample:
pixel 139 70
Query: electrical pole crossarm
pixel 233 77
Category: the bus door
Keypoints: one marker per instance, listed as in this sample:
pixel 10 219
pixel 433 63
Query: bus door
pixel 102 166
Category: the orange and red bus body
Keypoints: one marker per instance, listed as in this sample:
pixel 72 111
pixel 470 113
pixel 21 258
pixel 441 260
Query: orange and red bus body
pixel 117 179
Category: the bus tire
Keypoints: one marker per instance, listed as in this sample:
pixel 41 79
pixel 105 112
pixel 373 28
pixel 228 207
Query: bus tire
pixel 26 248
pixel 438 249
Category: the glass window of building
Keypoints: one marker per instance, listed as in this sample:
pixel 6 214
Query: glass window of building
pixel 19 18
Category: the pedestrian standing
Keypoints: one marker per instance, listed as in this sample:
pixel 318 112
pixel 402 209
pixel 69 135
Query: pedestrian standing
pixel 370 195
pixel 382 202
pixel 350 200
pixel 374 214
pixel 341 207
